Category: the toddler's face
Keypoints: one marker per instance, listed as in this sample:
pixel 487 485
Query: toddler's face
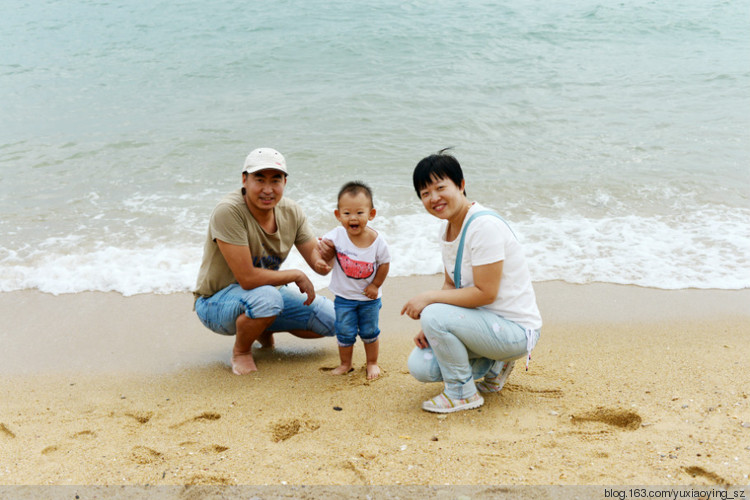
pixel 354 212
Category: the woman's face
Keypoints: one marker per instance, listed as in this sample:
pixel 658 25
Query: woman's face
pixel 442 198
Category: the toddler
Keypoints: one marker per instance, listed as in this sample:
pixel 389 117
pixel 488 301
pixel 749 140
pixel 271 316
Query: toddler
pixel 361 264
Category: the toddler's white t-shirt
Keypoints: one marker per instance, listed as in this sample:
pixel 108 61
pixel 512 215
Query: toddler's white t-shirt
pixel 355 267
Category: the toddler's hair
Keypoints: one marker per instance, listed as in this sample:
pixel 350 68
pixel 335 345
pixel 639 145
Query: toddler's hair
pixel 353 188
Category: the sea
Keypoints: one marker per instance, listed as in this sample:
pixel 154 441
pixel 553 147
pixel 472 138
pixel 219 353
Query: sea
pixel 613 136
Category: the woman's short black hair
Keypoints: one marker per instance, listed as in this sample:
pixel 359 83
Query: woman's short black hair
pixel 436 167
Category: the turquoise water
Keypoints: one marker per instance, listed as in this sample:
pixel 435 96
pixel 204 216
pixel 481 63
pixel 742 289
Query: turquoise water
pixel 614 137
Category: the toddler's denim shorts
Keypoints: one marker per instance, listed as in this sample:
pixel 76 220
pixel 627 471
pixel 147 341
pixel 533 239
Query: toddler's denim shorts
pixel 356 317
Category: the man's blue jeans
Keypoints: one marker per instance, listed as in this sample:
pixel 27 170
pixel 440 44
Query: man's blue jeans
pixel 220 311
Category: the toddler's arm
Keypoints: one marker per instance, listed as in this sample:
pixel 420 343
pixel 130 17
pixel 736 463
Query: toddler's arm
pixel 371 291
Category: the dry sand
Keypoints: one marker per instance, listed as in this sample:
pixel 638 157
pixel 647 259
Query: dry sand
pixel 627 385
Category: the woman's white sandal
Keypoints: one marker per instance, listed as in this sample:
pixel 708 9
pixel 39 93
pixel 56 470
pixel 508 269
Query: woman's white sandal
pixel 443 404
pixel 495 384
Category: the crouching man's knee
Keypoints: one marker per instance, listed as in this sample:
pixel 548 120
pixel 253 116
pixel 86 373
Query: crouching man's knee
pixel 263 302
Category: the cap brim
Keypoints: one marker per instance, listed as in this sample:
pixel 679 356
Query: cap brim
pixel 252 170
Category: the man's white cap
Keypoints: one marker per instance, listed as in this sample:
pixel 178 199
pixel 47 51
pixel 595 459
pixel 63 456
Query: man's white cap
pixel 264 158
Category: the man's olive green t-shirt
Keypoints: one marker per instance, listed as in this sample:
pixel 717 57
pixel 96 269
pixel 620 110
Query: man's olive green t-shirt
pixel 232 222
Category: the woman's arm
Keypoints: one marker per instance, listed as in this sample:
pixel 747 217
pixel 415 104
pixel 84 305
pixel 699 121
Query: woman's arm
pixel 483 292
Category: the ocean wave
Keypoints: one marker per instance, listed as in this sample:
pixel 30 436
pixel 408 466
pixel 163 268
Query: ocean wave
pixel 703 250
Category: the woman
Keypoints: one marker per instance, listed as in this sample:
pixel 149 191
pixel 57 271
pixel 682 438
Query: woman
pixel 478 328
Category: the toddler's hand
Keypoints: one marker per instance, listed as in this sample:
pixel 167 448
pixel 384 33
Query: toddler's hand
pixel 326 248
pixel 321 267
pixel 371 292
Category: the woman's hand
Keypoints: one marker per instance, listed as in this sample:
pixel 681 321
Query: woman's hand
pixel 421 340
pixel 414 307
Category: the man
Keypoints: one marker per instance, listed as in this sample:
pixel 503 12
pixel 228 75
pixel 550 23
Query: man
pixel 240 289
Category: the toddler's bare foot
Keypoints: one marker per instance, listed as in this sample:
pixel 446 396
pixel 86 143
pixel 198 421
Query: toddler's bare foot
pixel 266 340
pixel 341 370
pixel 242 364
pixel 373 371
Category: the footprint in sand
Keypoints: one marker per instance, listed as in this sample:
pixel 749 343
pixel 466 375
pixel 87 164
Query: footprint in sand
pixel 357 469
pixel 214 448
pixel 49 450
pixel 711 476
pixel 209 479
pixel 206 450
pixel 87 434
pixel 141 417
pixel 144 455
pixel 623 419
pixel 57 448
pixel 203 417
pixel 331 368
pixel 4 431
pixel 546 393
pixel 359 378
pixel 285 429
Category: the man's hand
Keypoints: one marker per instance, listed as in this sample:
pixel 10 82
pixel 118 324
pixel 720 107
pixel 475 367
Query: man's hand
pixel 305 286
pixel 326 248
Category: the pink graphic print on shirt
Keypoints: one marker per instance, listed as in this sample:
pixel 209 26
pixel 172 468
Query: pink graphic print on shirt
pixel 356 269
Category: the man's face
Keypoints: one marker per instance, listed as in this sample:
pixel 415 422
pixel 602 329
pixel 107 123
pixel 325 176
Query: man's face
pixel 264 189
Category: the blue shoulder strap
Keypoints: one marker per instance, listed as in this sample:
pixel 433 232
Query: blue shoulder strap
pixel 460 252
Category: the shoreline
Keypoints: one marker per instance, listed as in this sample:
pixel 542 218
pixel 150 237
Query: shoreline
pixel 627 385
pixel 107 332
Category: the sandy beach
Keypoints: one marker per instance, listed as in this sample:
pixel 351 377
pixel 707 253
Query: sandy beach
pixel 627 385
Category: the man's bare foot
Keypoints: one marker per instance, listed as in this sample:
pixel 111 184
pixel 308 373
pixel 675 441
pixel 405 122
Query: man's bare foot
pixel 242 364
pixel 266 340
pixel 373 371
pixel 341 370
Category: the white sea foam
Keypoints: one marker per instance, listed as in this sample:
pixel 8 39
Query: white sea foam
pixel 702 252
pixel 126 270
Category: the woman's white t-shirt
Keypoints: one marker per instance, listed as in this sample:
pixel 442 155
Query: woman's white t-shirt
pixel 355 267
pixel 490 240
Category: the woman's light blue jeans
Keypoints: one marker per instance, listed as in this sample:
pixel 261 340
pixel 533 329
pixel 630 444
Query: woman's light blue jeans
pixel 465 344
